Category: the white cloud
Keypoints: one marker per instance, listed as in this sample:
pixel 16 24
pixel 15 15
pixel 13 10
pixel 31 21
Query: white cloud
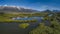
pixel 5 5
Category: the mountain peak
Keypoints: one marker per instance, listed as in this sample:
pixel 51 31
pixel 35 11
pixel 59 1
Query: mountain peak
pixel 7 8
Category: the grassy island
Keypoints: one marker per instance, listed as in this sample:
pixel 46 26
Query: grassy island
pixel 8 18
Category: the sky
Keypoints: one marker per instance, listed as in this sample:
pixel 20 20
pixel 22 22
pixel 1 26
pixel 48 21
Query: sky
pixel 33 4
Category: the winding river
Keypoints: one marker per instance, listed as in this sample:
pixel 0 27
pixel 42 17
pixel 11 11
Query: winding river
pixel 12 28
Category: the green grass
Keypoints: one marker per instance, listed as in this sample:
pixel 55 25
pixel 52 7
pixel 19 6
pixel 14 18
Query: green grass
pixel 23 25
pixel 7 18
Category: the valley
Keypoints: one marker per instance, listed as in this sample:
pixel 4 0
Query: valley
pixel 27 21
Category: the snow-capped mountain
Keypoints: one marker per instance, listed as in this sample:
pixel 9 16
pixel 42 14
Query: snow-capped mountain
pixel 6 8
pixel 56 11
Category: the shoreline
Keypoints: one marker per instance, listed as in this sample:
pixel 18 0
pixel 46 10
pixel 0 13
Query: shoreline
pixel 19 21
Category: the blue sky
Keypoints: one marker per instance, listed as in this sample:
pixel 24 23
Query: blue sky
pixel 34 4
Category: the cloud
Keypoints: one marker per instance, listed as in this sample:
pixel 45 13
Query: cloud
pixel 5 5
pixel 45 7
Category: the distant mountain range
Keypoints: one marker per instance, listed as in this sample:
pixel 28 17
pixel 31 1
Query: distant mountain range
pixel 17 9
pixel 56 11
pixel 51 11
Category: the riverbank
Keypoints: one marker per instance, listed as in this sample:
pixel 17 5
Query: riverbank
pixel 17 21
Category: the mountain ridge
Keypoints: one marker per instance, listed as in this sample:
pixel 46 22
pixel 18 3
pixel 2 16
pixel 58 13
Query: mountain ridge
pixel 15 9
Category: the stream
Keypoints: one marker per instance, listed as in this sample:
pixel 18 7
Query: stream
pixel 13 28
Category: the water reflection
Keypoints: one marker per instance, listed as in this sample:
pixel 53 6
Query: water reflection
pixel 12 28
